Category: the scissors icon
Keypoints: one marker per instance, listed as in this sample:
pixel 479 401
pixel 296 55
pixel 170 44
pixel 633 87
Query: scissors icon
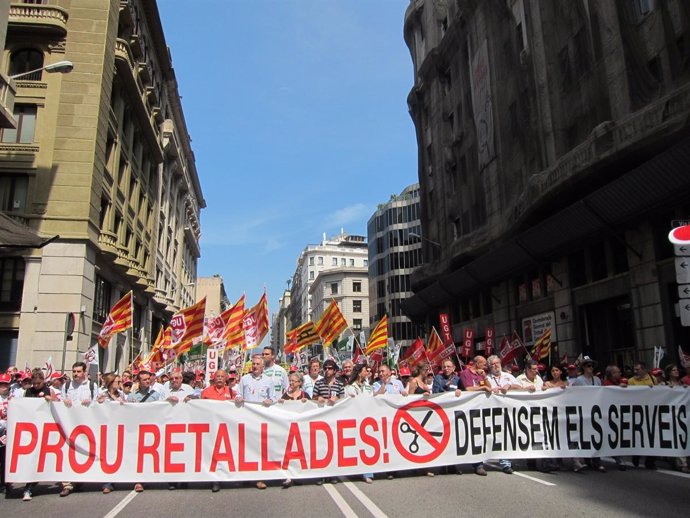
pixel 406 428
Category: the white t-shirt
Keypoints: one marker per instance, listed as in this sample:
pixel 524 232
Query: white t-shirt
pixel 502 379
pixel 538 383
pixel 279 377
pixel 309 383
pixel 256 390
pixel 181 393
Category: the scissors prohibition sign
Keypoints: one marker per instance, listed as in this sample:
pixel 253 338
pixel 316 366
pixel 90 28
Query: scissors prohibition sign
pixel 406 428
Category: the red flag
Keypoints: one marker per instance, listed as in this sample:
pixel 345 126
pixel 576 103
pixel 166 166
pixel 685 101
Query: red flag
pixel 358 356
pixel 187 326
pixel 119 319
pixel 256 323
pixel 509 349
pixel 467 342
pixel 413 354
pixel 436 351
pixel 489 343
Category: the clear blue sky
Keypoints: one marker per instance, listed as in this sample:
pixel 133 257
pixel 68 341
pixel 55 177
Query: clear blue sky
pixel 297 111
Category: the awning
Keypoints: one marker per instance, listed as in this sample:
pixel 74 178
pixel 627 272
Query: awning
pixel 15 235
pixel 660 182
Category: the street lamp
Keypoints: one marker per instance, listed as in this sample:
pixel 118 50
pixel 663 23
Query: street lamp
pixel 63 67
pixel 422 238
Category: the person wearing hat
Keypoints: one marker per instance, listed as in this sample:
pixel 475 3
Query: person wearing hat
pixel 587 378
pixel 56 382
pixel 572 373
pixel 329 388
pixel 5 380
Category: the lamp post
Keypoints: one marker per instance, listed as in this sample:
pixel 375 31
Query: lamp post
pixel 422 238
pixel 62 67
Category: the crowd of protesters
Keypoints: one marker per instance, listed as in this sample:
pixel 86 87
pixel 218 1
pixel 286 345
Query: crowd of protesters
pixel 325 383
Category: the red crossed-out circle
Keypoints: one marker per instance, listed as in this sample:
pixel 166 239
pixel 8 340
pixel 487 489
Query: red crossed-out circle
pixel 403 415
pixel 680 235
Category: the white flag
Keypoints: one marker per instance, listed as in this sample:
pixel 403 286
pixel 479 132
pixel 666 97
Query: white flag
pixel 91 356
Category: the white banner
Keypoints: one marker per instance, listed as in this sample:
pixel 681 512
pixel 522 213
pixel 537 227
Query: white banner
pixel 211 440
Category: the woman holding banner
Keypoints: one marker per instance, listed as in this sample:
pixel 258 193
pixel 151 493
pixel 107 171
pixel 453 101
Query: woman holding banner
pixel 418 383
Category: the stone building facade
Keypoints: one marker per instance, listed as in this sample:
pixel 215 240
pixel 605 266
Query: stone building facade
pixel 553 157
pixel 395 250
pixel 341 251
pixel 101 158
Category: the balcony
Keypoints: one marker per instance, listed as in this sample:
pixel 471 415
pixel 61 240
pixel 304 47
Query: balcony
pixel 130 73
pixel 47 19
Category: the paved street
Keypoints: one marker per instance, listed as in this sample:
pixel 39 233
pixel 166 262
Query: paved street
pixel 635 492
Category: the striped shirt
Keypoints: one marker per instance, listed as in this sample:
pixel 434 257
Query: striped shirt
pixel 326 390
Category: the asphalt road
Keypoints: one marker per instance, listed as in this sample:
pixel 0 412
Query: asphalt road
pixel 635 492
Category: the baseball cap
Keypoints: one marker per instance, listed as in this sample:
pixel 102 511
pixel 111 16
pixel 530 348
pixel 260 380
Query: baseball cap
pixel 5 378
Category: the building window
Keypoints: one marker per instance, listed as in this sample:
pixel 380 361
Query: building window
pixel 335 261
pixel 13 191
pixel 26 60
pixel 12 283
pixel 311 275
pixel 101 299
pixel 352 262
pixel 356 287
pixel 356 324
pixel 311 261
pixel 319 261
pixel 356 306
pixel 366 262
pixel 25 115
pixel 343 261
pixel 334 288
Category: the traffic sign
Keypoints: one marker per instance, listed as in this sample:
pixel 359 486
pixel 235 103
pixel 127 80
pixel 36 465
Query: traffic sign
pixel 681 250
pixel 683 270
pixel 684 291
pixel 684 308
pixel 680 235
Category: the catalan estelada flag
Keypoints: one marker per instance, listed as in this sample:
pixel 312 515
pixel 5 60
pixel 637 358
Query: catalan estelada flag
pixel 331 323
pixel 233 333
pixel 379 336
pixel 301 336
pixel 119 319
pixel 187 327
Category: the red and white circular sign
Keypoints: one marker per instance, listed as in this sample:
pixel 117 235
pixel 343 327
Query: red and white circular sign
pixel 680 235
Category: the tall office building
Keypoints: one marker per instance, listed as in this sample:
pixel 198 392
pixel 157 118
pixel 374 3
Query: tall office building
pixel 553 158
pixel 100 164
pixel 395 250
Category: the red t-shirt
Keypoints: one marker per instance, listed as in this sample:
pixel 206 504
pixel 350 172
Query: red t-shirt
pixel 685 380
pixel 218 395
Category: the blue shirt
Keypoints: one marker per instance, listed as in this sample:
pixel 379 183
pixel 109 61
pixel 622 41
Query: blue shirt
pixel 440 383
pixel 394 386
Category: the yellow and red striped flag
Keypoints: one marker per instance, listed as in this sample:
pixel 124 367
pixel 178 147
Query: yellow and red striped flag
pixel 379 336
pixel 331 323
pixel 119 319
pixel 542 347
pixel 187 327
pixel 301 336
pixel 256 323
pixel 233 332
